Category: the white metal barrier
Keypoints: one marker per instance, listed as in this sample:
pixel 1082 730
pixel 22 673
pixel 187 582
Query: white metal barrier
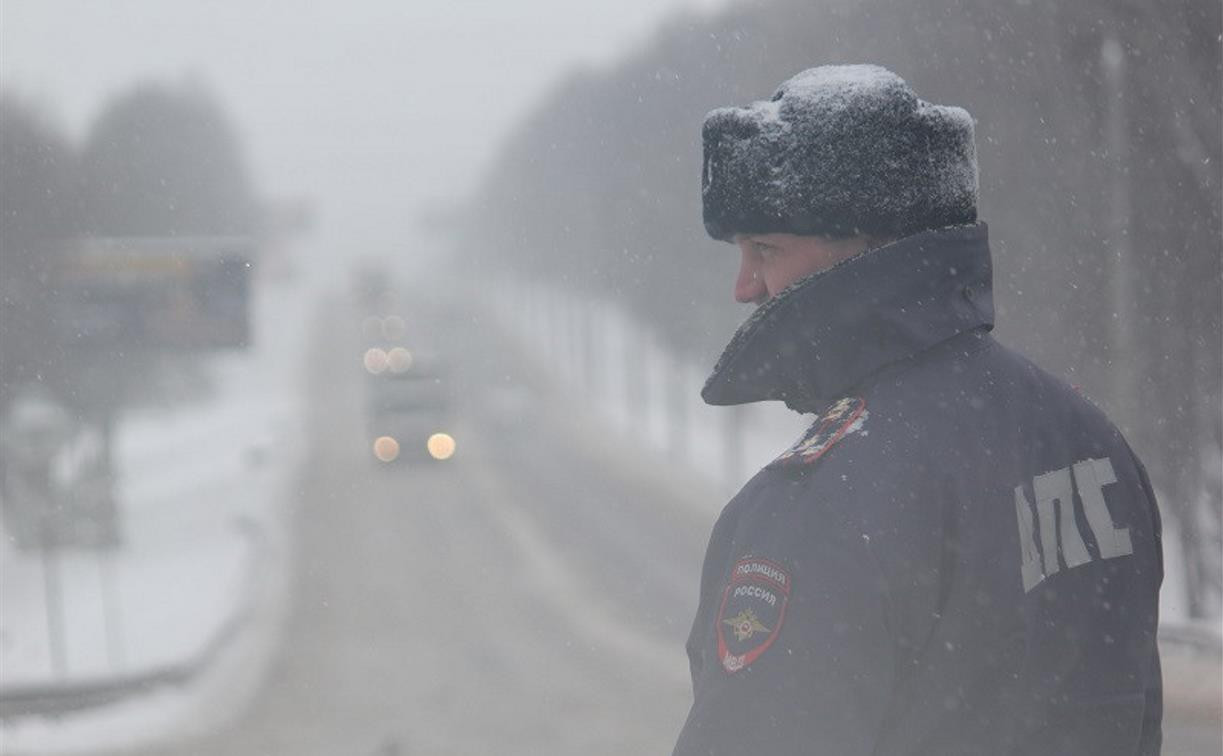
pixel 642 389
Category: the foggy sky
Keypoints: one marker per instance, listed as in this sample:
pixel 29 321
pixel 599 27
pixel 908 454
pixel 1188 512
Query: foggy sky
pixel 371 110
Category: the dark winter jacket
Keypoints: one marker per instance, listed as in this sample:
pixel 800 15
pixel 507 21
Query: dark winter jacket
pixel 961 556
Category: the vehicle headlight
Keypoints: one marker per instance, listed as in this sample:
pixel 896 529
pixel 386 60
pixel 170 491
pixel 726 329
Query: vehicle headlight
pixel 375 360
pixel 386 449
pixel 399 360
pixel 441 446
pixel 393 328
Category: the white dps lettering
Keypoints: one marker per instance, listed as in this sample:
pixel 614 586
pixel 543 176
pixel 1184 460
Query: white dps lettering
pixel 757 592
pixel 1059 530
pixel 747 569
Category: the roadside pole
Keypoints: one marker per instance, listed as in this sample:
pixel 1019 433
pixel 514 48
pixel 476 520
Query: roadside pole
pixel 112 611
pixel 53 598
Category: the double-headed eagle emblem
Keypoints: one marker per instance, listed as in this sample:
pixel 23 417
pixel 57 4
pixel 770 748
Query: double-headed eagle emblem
pixel 745 624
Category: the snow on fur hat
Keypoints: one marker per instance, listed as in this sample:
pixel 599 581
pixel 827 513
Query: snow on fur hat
pixel 839 151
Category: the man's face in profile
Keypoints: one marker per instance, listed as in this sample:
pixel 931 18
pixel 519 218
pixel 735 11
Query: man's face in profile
pixel 771 262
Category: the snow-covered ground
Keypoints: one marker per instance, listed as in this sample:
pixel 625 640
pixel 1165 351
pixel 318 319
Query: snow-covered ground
pixel 187 608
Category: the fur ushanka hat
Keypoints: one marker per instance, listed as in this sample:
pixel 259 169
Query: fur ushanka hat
pixel 839 151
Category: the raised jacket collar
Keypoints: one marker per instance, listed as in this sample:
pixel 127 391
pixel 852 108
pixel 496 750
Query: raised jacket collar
pixel 829 331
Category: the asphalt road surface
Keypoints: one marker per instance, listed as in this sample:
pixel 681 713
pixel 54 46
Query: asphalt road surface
pixel 529 596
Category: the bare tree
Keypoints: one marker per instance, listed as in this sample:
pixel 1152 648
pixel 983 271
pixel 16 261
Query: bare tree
pixel 37 171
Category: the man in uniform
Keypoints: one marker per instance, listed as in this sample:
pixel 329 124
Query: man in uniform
pixel 961 555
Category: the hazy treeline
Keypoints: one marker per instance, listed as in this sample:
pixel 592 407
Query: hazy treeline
pixel 1098 133
pixel 157 161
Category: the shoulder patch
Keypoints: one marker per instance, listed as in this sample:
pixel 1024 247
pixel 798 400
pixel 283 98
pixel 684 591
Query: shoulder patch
pixel 842 418
pixel 752 611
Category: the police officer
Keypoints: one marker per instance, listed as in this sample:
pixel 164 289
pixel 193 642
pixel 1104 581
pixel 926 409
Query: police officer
pixel 961 555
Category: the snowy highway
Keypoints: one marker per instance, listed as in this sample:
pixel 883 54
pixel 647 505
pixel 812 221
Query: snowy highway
pixel 531 595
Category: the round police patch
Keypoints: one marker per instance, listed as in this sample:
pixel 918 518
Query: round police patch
pixel 752 612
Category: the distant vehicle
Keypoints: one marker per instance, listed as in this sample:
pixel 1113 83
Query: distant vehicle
pixel 408 406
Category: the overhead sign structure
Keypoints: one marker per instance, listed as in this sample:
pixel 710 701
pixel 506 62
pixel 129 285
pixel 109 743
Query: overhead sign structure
pixel 190 292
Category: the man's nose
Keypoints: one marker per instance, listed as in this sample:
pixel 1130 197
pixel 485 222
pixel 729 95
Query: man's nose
pixel 749 287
